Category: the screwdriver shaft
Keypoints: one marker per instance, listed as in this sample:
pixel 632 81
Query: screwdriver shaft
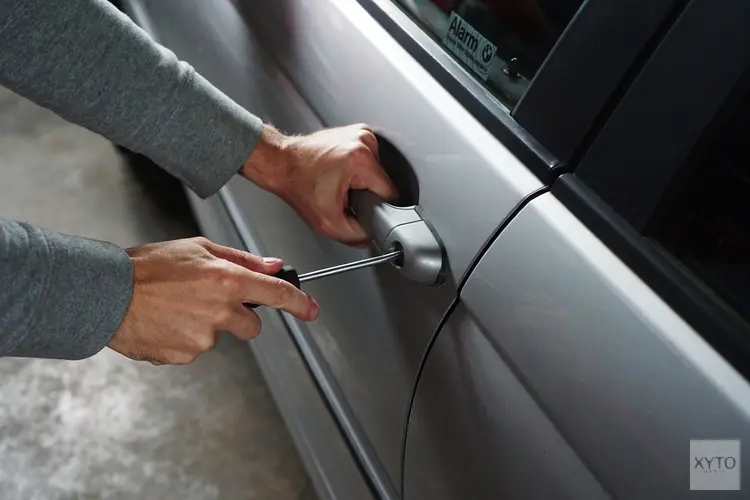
pixel 352 266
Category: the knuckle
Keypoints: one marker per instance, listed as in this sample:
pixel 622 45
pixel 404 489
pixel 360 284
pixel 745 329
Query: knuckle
pixel 326 227
pixel 172 358
pixel 358 151
pixel 282 292
pixel 187 358
pixel 225 277
pixel 361 150
pixel 204 343
pixel 184 357
pixel 250 258
pixel 223 316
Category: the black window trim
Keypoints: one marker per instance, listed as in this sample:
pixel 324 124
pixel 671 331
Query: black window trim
pixel 556 82
pixel 585 68
pixel 623 226
pixel 660 111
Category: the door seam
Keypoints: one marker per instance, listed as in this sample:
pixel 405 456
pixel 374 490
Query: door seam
pixel 448 312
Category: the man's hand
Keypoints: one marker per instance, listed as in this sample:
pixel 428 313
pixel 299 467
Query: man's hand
pixel 314 174
pixel 188 290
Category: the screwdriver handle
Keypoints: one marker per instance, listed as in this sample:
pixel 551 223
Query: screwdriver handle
pixel 287 273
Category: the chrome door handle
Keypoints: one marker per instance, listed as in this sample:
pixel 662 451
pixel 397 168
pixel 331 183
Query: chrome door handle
pixel 401 228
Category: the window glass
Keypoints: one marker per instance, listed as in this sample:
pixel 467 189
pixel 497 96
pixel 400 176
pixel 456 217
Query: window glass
pixel 500 42
pixel 707 227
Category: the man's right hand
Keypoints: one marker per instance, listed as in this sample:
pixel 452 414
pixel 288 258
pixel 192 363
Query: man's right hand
pixel 186 291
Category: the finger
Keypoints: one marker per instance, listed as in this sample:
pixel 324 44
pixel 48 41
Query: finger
pixel 176 357
pixel 268 265
pixel 376 180
pixel 243 324
pixel 349 231
pixel 364 126
pixel 274 292
pixel 370 140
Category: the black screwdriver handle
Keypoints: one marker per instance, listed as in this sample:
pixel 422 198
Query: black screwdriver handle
pixel 287 273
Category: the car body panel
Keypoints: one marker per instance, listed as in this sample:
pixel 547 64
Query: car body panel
pixel 558 374
pixel 292 62
pixel 624 380
pixel 349 69
pixel 476 431
pixel 310 423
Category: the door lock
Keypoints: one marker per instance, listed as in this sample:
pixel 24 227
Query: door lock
pixel 399 233
pixel 402 229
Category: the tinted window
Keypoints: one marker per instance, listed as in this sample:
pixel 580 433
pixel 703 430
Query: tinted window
pixel 707 226
pixel 520 33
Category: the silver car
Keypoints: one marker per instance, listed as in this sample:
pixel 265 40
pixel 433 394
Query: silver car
pixel 571 317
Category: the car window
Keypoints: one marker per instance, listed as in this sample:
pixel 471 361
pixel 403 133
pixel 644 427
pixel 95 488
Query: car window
pixel 707 226
pixel 502 43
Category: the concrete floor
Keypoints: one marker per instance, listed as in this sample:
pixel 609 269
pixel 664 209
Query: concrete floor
pixel 108 427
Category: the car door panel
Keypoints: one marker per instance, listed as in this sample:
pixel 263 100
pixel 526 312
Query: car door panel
pixel 376 369
pixel 476 431
pixel 315 433
pixel 624 380
pixel 374 324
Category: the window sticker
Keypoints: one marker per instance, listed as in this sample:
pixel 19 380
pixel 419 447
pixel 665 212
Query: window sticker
pixel 466 43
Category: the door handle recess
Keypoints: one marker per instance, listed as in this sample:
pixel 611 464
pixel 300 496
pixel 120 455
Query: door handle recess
pixel 401 228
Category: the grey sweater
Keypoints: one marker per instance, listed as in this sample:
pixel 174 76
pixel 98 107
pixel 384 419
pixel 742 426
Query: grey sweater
pixel 63 296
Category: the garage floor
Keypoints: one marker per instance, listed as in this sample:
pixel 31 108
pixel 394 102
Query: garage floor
pixel 107 427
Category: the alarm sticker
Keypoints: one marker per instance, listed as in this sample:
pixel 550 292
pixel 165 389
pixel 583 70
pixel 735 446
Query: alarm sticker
pixel 466 43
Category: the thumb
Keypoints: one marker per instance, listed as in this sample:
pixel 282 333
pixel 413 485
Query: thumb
pixel 247 260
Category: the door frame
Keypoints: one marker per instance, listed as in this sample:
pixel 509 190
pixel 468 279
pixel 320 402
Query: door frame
pixel 616 191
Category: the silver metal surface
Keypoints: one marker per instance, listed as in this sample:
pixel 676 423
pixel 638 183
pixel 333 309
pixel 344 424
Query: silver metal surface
pixel 476 432
pixel 402 228
pixel 625 380
pixel 468 181
pixel 422 260
pixel 378 217
pixel 287 374
pixel 299 65
pixel 302 68
pixel 351 266
pixel 560 374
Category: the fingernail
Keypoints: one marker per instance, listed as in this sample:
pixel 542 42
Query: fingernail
pixel 315 309
pixel 271 260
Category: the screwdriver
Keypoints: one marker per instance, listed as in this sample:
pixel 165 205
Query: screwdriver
pixel 288 273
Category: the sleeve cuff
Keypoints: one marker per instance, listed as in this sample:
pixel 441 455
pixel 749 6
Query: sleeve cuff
pixel 207 139
pixel 83 295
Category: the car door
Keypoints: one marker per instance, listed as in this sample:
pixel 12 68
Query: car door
pixel 471 134
pixel 366 347
pixel 601 346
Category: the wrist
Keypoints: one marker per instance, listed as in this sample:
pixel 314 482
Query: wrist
pixel 270 162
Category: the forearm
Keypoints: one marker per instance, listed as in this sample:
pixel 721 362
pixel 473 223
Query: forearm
pixel 90 64
pixel 60 296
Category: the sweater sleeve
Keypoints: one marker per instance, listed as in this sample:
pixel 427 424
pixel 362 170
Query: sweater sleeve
pixel 60 296
pixel 89 63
